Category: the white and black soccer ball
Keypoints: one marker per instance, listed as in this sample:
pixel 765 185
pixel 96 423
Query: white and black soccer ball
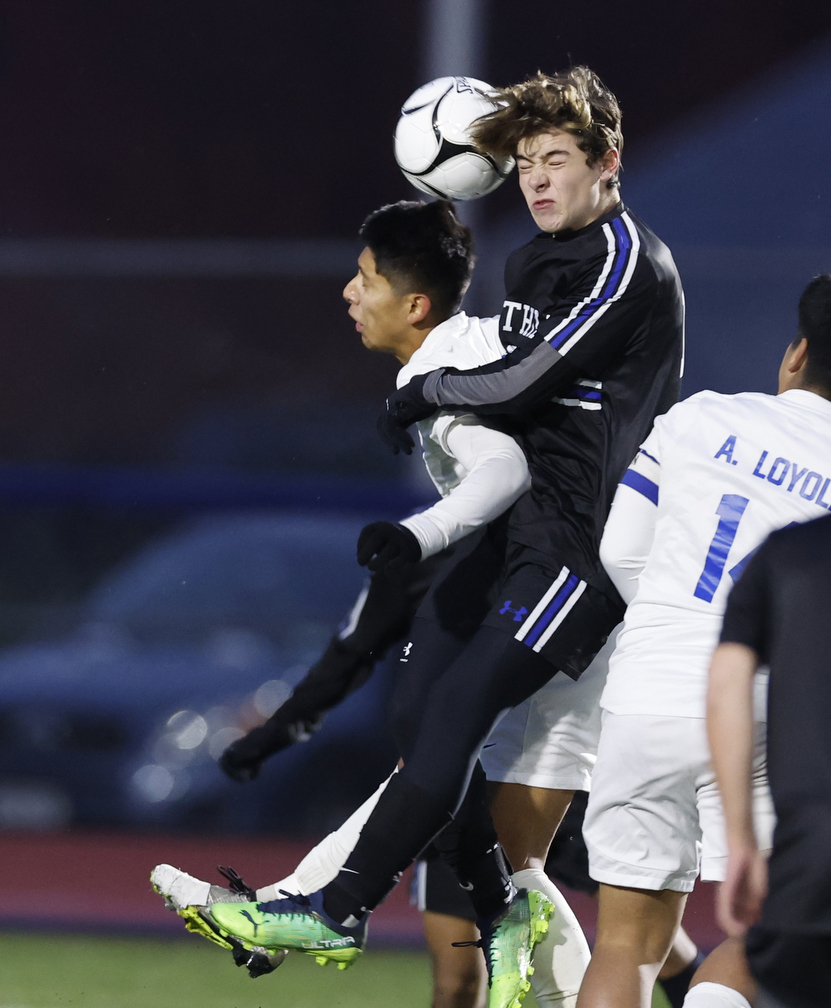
pixel 432 140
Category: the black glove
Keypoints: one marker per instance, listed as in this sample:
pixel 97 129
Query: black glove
pixel 404 407
pixel 242 760
pixel 383 545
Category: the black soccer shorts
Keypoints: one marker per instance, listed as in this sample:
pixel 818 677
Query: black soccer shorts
pixel 551 610
pixel 494 582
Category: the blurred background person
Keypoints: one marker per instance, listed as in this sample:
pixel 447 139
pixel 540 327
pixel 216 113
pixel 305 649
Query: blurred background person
pixel 777 616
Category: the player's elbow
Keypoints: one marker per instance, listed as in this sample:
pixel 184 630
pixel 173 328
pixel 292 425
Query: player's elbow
pixel 610 556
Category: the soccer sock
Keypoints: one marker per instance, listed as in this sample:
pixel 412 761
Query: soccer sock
pixel 323 862
pixel 400 827
pixel 676 987
pixel 561 958
pixel 714 995
pixel 469 846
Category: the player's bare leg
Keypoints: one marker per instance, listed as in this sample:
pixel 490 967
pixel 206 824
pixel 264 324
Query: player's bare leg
pixel 460 979
pixel 680 967
pixel 635 931
pixel 682 954
pixel 723 979
pixel 526 819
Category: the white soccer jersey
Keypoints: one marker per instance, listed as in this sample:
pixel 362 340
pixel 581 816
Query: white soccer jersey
pixel 716 475
pixel 478 471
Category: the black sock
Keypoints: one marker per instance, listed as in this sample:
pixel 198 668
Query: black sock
pixel 676 987
pixel 470 848
pixel 341 906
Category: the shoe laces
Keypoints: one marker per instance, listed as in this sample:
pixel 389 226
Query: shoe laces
pixel 235 882
pixel 297 898
pixel 483 943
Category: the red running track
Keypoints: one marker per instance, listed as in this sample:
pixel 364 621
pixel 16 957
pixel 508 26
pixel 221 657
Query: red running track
pixel 99 882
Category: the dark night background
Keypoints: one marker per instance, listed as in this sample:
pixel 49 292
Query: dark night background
pixel 263 121
pixel 180 188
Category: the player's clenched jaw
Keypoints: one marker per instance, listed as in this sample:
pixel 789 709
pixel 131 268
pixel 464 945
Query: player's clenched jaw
pixel 563 191
pixel 383 316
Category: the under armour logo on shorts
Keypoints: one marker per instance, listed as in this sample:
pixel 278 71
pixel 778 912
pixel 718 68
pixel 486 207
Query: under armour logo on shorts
pixel 518 613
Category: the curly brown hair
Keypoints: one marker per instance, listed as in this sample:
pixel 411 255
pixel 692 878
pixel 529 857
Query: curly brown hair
pixel 574 100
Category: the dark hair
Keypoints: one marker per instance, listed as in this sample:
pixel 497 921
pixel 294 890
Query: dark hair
pixel 423 248
pixel 815 326
pixel 575 100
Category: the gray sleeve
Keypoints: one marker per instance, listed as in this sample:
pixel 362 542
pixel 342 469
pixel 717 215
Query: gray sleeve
pixel 500 388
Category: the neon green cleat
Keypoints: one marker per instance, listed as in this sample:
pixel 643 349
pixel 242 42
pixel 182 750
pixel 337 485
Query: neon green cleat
pixel 509 943
pixel 297 922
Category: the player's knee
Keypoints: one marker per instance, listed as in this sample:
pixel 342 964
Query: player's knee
pixel 641 922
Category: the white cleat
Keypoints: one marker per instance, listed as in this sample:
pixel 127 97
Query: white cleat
pixel 181 890
pixel 190 898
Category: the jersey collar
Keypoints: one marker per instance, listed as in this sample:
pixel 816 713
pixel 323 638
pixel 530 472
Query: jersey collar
pixel 437 335
pixel 808 400
pixel 568 234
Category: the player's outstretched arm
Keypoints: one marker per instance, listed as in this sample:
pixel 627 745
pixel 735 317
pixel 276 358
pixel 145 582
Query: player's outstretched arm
pixel 730 732
pixel 587 332
pixel 337 673
pixel 379 618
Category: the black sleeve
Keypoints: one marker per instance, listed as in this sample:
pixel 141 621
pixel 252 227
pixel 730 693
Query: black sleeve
pixel 746 618
pixel 588 330
pixel 380 618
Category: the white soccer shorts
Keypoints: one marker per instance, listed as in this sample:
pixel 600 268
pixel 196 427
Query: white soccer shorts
pixel 550 740
pixel 654 817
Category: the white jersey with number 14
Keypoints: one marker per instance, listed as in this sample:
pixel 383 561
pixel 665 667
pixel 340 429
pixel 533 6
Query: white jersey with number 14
pixel 716 475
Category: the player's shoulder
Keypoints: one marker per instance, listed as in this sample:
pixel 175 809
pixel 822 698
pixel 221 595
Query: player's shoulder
pixel 654 257
pixel 708 403
pixel 794 560
pixel 815 536
pixel 698 412
pixel 462 342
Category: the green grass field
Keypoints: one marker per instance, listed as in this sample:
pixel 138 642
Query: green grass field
pixel 79 971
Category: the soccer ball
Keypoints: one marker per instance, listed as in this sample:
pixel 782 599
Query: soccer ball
pixel 432 140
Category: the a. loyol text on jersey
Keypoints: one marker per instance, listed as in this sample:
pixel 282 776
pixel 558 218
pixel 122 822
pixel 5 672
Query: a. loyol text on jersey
pixel 717 475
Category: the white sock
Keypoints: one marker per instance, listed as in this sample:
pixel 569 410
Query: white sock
pixel 323 862
pixel 561 958
pixel 714 995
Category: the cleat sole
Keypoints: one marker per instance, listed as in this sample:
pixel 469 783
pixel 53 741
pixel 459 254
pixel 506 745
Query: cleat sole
pixel 195 922
pixel 344 958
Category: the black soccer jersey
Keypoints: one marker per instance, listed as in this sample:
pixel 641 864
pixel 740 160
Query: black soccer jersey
pixel 593 332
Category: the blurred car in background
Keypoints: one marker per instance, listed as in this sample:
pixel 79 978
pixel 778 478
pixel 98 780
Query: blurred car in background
pixel 201 636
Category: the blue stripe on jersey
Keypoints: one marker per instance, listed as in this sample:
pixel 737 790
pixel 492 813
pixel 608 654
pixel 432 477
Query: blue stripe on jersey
pixel 622 250
pixel 640 483
pixel 586 394
pixel 649 456
pixel 554 607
